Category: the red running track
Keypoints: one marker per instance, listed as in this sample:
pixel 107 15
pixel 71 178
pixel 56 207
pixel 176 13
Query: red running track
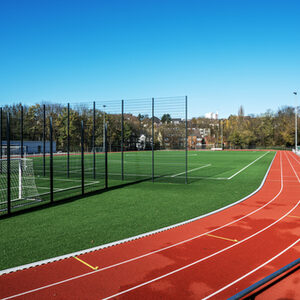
pixel 211 258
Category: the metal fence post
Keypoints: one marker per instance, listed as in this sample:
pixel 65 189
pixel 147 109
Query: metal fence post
pixel 82 158
pixel 51 161
pixel 8 162
pixel 44 140
pixel 222 139
pixel 1 126
pixel 152 144
pixel 94 150
pixel 21 132
pixel 186 142
pixel 122 140
pixel 106 163
pixel 68 142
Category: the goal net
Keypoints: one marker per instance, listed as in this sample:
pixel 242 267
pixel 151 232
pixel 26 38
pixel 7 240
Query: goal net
pixel 23 189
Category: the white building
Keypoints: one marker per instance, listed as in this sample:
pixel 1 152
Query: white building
pixel 211 115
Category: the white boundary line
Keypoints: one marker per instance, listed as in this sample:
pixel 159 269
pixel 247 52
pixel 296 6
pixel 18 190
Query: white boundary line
pixel 241 170
pixel 253 271
pixel 167 176
pixel 144 234
pixel 292 167
pixel 71 180
pixel 294 158
pixel 205 166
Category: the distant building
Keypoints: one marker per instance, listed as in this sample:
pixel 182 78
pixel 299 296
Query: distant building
pixel 33 147
pixel 176 121
pixel 211 115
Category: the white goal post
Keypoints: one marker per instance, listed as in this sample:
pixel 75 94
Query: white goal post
pixel 22 181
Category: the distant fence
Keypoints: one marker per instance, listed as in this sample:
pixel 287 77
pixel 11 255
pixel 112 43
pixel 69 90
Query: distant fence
pixel 50 152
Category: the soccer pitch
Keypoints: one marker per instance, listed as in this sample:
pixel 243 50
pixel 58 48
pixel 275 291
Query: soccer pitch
pixel 169 166
pixel 216 179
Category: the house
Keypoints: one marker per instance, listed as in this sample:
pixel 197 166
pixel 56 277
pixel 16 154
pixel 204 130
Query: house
pixel 176 121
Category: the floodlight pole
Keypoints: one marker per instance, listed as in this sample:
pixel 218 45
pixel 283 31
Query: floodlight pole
pixel 296 122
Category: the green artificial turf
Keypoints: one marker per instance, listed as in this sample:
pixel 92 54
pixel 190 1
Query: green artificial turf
pixel 136 208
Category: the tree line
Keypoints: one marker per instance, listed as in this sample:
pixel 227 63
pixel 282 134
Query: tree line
pixel 271 129
pixel 166 135
pixel 268 130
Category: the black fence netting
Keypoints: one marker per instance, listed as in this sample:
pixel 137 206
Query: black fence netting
pixel 50 152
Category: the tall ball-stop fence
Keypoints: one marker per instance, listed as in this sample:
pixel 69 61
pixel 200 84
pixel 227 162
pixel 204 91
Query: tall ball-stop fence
pixel 50 152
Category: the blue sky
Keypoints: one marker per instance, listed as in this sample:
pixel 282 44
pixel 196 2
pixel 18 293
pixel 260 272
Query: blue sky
pixel 221 53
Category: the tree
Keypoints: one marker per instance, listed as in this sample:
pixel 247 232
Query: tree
pixel 166 118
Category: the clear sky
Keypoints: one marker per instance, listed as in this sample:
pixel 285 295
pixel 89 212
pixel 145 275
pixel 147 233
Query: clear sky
pixel 221 53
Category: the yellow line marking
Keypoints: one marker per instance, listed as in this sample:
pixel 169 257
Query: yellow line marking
pixel 222 238
pixel 85 263
pixel 294 217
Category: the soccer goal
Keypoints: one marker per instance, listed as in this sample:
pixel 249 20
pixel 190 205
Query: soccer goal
pixel 23 188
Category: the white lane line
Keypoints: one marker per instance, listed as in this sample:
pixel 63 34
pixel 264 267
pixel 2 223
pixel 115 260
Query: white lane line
pixel 160 230
pixel 247 166
pixel 292 167
pixel 205 166
pixel 156 251
pixel 293 156
pixel 253 271
pixel 202 259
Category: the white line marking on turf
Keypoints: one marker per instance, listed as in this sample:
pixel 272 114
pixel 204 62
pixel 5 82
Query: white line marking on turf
pixel 208 165
pixel 167 176
pixel 154 231
pixel 209 178
pixel 253 271
pixel 62 179
pixel 247 166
